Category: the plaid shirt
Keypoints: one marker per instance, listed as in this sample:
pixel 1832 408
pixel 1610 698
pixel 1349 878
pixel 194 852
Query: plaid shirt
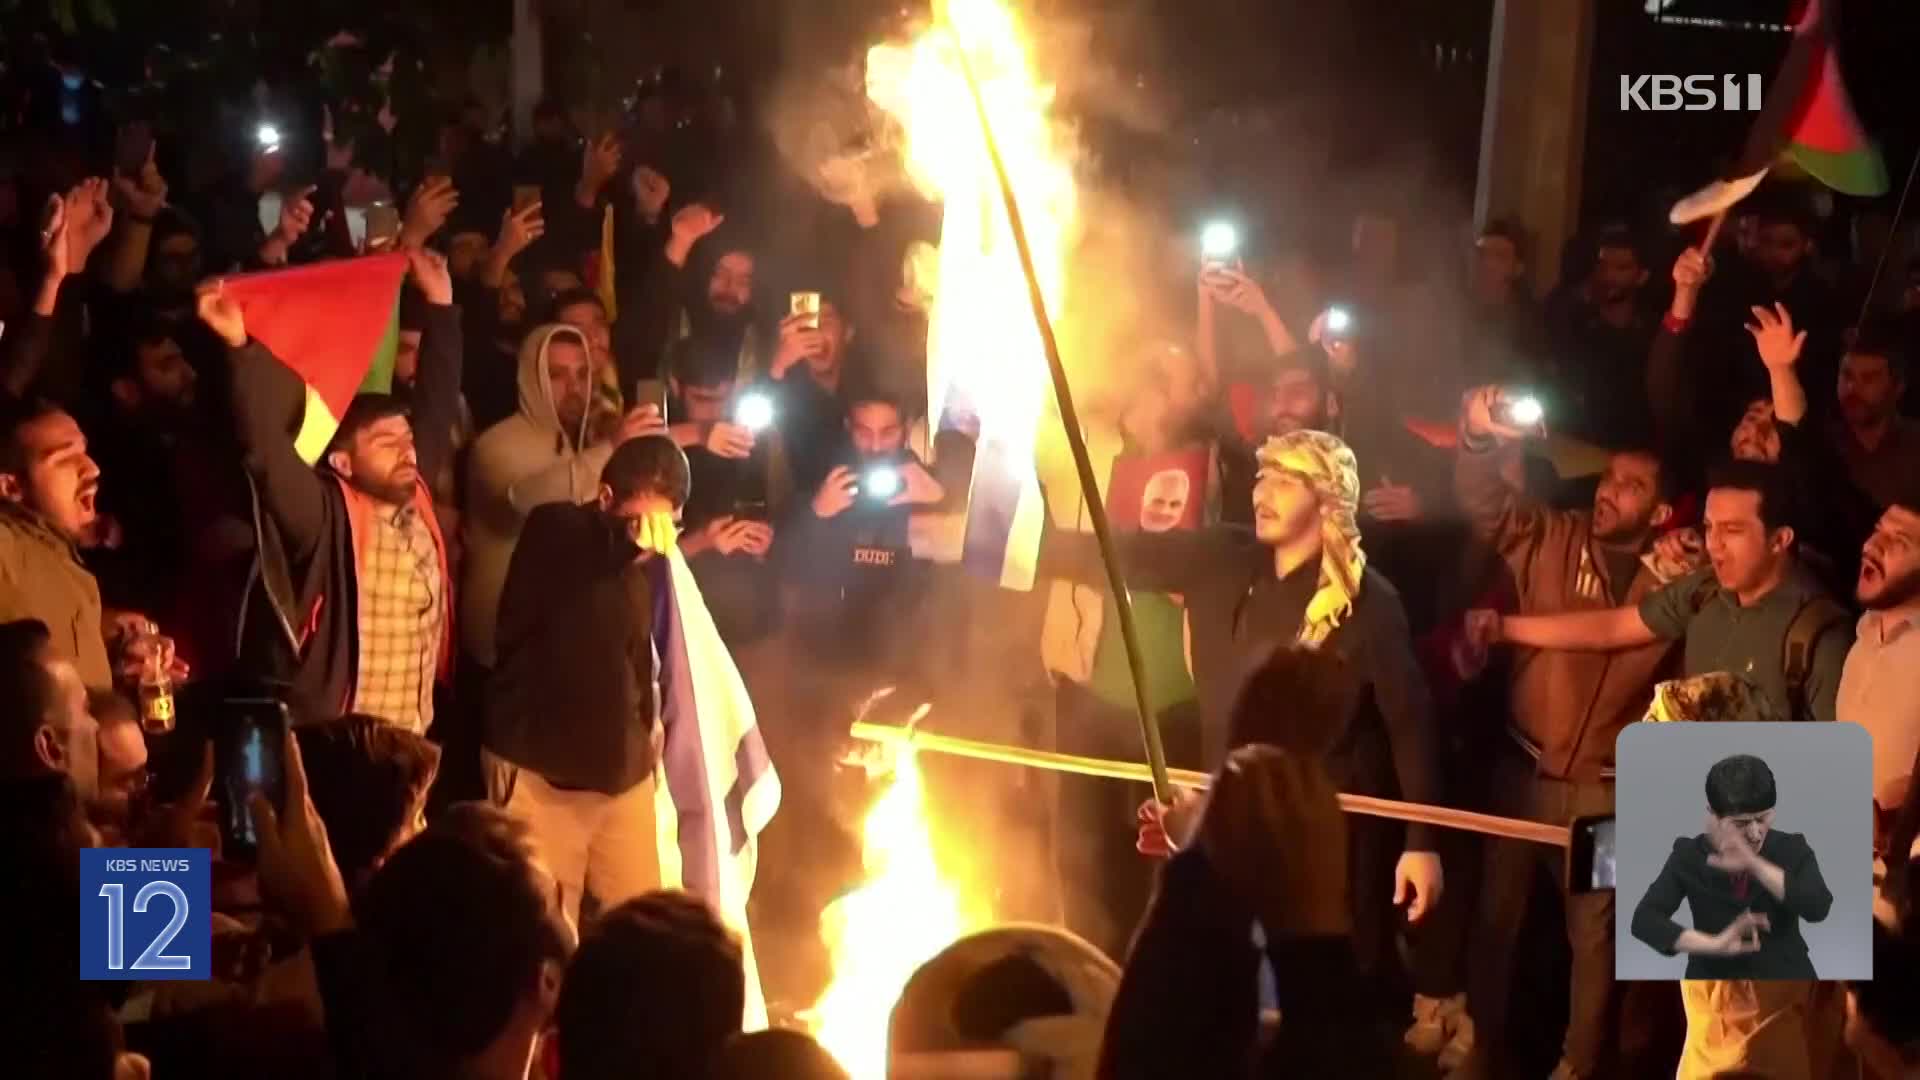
pixel 402 605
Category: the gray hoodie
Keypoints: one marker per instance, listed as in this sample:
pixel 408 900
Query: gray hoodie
pixel 518 464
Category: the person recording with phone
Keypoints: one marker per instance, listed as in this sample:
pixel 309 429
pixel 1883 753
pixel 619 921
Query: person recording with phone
pixel 811 365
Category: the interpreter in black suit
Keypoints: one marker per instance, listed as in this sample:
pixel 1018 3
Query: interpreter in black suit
pixel 1747 885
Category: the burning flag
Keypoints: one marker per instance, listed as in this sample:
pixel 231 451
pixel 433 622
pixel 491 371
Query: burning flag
pixel 1809 118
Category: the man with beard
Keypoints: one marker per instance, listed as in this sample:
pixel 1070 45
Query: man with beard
pixel 1301 577
pixel 176 536
pixel 1881 448
pixel 701 283
pixel 352 605
pixel 1567 709
pixel 1878 687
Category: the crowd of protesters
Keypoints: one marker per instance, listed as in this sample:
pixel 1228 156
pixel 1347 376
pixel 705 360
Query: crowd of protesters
pixel 1721 477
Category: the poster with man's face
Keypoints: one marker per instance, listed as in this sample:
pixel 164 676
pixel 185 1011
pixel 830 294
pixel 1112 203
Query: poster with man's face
pixel 1158 492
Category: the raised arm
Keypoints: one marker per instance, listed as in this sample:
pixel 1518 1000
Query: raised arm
pixel 436 394
pixel 1670 392
pixel 1780 347
pixel 137 200
pixel 1500 512
pixel 268 402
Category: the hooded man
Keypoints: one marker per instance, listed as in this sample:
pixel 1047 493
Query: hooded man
pixel 1301 578
pixel 551 450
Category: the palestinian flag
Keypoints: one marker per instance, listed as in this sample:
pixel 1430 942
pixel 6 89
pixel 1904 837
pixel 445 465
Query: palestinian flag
pixel 1808 118
pixel 336 324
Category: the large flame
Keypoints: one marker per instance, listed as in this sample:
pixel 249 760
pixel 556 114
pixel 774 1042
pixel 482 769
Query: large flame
pixel 986 365
pixel 878 934
pixel 986 371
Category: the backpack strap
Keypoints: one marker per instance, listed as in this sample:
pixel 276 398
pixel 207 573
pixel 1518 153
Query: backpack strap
pixel 1817 614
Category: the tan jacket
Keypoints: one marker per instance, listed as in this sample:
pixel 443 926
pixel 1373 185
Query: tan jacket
pixel 1567 705
pixel 41 577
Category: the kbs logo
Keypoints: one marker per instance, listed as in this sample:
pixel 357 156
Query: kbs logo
pixel 1694 93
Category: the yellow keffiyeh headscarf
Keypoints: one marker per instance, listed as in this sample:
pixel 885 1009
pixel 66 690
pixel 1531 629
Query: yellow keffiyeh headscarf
pixel 1329 468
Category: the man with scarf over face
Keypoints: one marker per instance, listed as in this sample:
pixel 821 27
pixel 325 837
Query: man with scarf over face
pixel 1300 577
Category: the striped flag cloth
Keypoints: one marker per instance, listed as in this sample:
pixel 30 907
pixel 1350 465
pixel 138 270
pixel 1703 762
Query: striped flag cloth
pixel 1807 118
pixel 720 787
pixel 336 324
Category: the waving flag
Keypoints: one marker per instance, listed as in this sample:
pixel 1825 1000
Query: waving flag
pixel 721 789
pixel 336 324
pixel 1808 118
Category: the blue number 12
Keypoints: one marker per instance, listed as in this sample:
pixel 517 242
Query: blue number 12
pixel 152 959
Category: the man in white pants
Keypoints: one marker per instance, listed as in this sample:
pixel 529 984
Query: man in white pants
pixel 574 727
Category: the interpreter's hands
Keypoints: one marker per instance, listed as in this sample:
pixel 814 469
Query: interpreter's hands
pixel 430 274
pixel 221 313
pixel 1681 549
pixel 917 487
pixel 144 194
pixel 518 230
pixel 1272 829
pixel 296 866
pixel 1418 882
pixel 799 340
pixel 599 161
pixel 1388 501
pixel 428 209
pixel 1168 827
pixel 650 192
pixel 1482 412
pixel 296 216
pixel 836 494
pixel 1774 337
pixel 691 224
pixel 1690 272
pixel 1742 935
pixel 728 440
pixel 1731 851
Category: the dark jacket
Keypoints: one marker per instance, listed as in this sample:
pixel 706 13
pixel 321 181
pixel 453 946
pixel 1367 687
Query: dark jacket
pixel 1715 897
pixel 1389 746
pixel 575 690
pixel 301 619
pixel 1568 706
pixel 1188 1003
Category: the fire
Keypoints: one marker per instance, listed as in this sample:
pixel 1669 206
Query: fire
pixel 882 931
pixel 986 371
pixel 986 365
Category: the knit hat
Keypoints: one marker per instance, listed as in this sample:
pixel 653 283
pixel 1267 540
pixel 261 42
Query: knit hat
pixel 1328 467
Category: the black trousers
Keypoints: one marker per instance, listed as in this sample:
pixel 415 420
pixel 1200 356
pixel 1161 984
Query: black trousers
pixel 1513 869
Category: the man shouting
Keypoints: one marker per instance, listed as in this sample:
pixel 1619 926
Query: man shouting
pixel 1301 578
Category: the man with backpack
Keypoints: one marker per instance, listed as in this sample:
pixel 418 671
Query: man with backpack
pixel 1754 613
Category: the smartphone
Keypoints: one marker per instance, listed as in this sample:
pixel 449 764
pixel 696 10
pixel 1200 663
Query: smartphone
pixel 806 304
pixel 525 195
pixel 1219 241
pixel 131 149
pixel 383 226
pixel 879 482
pixel 750 508
pixel 754 411
pixel 1590 862
pixel 248 759
pixel 1522 410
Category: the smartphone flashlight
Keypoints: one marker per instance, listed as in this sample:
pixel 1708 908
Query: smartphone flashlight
pixel 268 137
pixel 1219 240
pixel 754 411
pixel 880 482
pixel 1524 410
pixel 1339 320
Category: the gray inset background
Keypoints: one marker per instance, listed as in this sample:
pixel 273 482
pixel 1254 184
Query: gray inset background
pixel 1824 773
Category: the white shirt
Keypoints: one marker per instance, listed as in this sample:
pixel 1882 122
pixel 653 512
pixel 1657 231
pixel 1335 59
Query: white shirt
pixel 1880 691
